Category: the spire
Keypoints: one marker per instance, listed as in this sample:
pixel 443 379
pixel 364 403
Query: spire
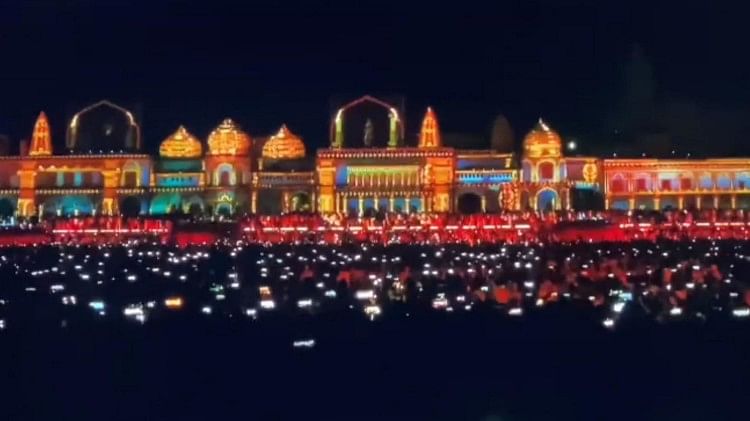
pixel 429 136
pixel 41 139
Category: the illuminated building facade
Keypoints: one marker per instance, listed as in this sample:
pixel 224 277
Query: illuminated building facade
pixel 367 168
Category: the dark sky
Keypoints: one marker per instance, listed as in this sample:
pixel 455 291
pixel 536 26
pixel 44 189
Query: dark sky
pixel 264 64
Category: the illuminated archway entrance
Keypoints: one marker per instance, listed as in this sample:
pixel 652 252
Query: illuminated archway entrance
pixel 469 203
pixel 165 203
pixel 193 206
pixel 547 200
pixel 300 202
pixel 68 206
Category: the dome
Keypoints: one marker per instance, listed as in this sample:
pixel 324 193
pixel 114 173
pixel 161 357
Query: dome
pixel 228 139
pixel 181 144
pixel 284 145
pixel 542 142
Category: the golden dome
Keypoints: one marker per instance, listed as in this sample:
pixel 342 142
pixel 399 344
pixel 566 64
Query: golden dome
pixel 542 142
pixel 228 139
pixel 181 144
pixel 284 145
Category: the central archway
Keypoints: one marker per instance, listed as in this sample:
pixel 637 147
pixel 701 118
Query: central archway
pixel 546 200
pixel 469 203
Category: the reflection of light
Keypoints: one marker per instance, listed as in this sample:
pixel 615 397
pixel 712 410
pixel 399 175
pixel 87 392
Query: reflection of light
pixel 741 312
pixel 608 323
pixel 304 303
pixel 675 311
pixel 618 306
pixel 515 311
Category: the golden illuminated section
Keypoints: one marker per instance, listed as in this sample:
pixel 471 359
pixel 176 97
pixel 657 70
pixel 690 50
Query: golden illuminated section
pixel 429 136
pixel 181 144
pixel 41 140
pixel 228 139
pixel 284 145
pixel 542 142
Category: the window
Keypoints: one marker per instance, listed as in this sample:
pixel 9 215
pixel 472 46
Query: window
pixel 641 184
pixel 546 171
pixel 686 184
pixel 666 185
pixel 617 185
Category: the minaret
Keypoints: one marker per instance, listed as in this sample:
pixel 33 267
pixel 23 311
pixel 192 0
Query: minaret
pixel 429 136
pixel 41 139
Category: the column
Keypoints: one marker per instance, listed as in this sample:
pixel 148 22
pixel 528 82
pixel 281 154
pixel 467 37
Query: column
pixel 361 205
pixel 422 204
pixel 734 201
pixel 698 201
pixel 631 202
pixel 407 204
pixel 680 202
pixel 391 203
pixel 716 201
pixel 657 202
pixel 313 202
pixel 254 201
pixel 285 200
pixel 484 203
pixel 375 200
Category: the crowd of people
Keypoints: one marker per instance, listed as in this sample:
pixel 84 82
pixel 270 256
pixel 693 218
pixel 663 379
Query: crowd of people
pixel 659 280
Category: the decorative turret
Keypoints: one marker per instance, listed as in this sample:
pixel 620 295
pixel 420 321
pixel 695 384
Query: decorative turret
pixel 429 135
pixel 181 144
pixel 542 142
pixel 228 139
pixel 41 139
pixel 284 145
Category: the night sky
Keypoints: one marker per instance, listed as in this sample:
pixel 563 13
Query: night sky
pixel 175 63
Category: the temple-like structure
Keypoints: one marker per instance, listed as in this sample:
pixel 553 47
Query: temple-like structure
pixel 369 167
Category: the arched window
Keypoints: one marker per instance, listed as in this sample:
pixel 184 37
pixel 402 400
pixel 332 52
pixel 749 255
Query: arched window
pixel 642 183
pixel 723 182
pixel 224 175
pixel 617 184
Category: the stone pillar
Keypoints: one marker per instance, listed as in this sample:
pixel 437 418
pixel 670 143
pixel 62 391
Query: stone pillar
pixel 680 202
pixel 698 202
pixel 484 203
pixel 734 201
pixel 313 202
pixel 375 202
pixel 361 205
pixel 631 202
pixel 391 203
pixel 254 201
pixel 657 202
pixel 716 201
pixel 407 204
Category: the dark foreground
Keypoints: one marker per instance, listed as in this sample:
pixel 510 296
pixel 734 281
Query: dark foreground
pixel 474 366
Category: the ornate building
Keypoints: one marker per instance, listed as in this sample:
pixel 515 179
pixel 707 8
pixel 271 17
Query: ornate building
pixel 368 167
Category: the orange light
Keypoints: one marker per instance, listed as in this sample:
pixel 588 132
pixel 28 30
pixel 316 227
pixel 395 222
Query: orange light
pixel 173 303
